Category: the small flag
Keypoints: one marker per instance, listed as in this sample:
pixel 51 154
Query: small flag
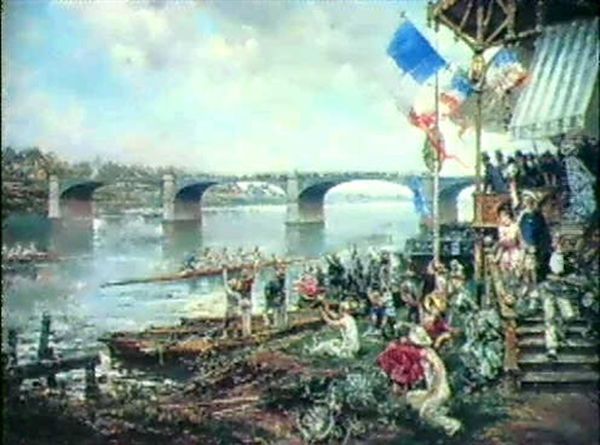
pixel 454 95
pixel 505 72
pixel 413 54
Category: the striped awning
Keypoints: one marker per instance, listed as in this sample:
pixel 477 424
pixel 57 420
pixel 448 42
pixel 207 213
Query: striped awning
pixel 564 74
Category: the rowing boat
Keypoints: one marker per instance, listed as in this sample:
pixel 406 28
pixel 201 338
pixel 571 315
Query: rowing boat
pixel 198 273
pixel 195 338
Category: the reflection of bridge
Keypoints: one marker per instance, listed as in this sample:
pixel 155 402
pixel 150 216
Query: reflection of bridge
pixel 304 192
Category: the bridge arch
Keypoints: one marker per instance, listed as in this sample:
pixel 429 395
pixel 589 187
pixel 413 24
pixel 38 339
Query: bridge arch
pixel 73 200
pixel 306 201
pixel 182 201
pixel 448 200
pixel 465 204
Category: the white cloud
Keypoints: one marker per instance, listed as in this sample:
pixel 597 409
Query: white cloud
pixel 250 86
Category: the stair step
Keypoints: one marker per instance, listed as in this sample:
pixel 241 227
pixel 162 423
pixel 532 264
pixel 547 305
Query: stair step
pixel 540 320
pixel 564 362
pixel 561 358
pixel 560 377
pixel 588 388
pixel 539 329
pixel 570 344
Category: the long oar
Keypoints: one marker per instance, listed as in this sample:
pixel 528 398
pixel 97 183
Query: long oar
pixel 192 274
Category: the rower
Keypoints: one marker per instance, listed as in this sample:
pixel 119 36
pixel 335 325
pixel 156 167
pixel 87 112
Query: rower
pixel 225 254
pixel 257 254
pixel 190 262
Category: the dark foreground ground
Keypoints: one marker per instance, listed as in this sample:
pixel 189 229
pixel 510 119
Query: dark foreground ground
pixel 254 397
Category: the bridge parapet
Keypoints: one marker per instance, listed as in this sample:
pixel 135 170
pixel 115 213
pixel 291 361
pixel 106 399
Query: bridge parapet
pixel 305 190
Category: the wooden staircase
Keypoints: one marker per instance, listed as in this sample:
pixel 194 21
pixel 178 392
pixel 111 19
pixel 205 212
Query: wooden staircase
pixel 576 367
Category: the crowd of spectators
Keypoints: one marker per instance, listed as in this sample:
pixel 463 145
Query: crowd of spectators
pixel 525 170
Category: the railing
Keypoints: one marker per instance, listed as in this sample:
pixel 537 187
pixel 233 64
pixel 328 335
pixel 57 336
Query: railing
pixel 46 364
pixel 497 295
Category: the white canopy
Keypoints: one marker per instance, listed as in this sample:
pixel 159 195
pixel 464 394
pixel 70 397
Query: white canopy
pixel 563 91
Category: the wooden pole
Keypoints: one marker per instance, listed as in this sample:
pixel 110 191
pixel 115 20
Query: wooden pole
pixel 12 347
pixel 479 253
pixel 478 118
pixel 436 163
pixel 44 351
pixel 436 179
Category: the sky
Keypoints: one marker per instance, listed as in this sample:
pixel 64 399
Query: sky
pixel 229 86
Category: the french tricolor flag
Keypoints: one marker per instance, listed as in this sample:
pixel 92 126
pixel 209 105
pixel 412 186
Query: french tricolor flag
pixel 453 95
pixel 415 57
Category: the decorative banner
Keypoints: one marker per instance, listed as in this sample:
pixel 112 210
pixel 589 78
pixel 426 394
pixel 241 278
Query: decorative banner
pixel 413 54
pixel 505 72
pixel 429 156
pixel 455 94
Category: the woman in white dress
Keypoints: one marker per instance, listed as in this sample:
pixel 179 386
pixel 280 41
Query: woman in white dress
pixel 349 344
pixel 509 251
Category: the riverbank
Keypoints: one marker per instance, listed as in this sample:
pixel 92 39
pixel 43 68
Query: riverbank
pixel 262 395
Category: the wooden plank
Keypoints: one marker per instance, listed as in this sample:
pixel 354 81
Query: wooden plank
pixel 46 367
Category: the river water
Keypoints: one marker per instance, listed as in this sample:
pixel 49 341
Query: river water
pixel 132 246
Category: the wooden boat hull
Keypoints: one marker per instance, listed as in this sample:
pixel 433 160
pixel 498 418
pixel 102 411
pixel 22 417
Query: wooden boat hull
pixel 170 345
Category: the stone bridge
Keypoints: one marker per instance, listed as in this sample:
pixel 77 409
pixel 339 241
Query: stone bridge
pixel 305 193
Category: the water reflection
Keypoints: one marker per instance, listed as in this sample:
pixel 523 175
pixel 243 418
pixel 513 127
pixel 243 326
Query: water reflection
pixel 72 237
pixel 181 236
pixel 306 240
pixel 108 249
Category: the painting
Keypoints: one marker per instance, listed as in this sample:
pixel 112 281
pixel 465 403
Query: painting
pixel 299 222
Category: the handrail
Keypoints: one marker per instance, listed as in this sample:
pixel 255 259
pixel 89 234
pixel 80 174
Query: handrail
pixel 505 302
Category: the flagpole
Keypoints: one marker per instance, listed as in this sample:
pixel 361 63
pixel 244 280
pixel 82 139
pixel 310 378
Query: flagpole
pixel 436 173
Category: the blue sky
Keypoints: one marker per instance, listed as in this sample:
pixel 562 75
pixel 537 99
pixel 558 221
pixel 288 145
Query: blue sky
pixel 225 86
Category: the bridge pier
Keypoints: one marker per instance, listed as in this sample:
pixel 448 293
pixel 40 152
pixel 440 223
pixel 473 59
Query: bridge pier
pixel 448 211
pixel 168 198
pixel 302 210
pixel 447 201
pixel 53 198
